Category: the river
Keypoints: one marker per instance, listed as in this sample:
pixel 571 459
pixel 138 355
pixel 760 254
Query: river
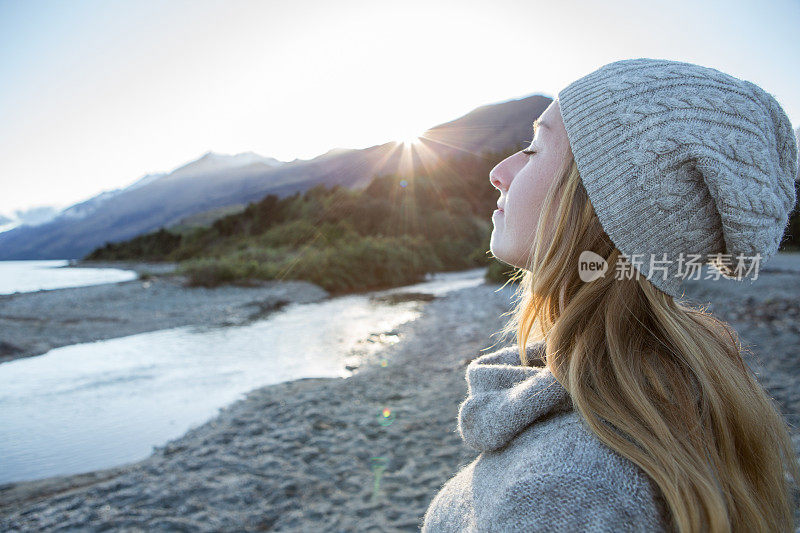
pixel 96 405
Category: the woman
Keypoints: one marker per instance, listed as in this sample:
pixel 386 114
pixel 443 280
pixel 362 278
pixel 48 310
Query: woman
pixel 630 411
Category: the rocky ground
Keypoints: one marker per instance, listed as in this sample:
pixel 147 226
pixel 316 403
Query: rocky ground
pixel 318 455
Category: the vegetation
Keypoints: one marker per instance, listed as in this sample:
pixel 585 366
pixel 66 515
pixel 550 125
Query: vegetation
pixel 791 238
pixel 391 233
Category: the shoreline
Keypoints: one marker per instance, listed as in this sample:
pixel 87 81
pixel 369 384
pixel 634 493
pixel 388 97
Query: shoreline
pixel 295 451
pixel 140 267
pixel 299 455
pixel 36 322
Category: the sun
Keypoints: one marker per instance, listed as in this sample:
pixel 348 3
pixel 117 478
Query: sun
pixel 411 139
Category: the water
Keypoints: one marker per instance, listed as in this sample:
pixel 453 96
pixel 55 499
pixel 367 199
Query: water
pixel 29 276
pixel 101 404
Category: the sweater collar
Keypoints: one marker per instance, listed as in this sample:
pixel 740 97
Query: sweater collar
pixel 504 397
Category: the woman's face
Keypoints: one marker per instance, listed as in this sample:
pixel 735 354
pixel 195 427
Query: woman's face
pixel 523 181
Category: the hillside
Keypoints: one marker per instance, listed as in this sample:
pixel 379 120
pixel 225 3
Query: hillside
pixel 212 182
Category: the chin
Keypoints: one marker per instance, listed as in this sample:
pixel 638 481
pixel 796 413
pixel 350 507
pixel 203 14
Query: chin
pixel 499 253
pixel 505 256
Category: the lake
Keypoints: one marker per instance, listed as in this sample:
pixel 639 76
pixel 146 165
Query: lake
pixel 29 276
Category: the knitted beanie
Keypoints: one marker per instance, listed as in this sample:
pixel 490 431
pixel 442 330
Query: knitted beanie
pixel 684 165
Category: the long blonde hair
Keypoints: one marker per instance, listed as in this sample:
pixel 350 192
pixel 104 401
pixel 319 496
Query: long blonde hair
pixel 661 382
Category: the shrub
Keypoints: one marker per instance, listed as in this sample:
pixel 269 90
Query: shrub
pixel 365 264
pixel 499 272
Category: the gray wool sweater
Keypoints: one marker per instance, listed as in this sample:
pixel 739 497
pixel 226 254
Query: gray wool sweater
pixel 540 467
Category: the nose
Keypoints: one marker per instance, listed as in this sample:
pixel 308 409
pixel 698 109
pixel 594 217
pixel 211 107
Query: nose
pixel 502 174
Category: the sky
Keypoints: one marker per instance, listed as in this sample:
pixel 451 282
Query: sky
pixel 96 94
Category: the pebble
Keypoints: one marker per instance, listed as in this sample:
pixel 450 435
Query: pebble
pixel 313 455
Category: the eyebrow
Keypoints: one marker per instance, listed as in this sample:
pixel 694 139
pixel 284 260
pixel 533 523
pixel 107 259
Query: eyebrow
pixel 538 122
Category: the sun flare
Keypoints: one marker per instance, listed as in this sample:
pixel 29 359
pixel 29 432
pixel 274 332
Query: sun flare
pixel 411 139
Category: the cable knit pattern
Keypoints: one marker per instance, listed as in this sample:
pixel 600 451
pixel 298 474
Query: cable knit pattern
pixel 540 467
pixel 681 158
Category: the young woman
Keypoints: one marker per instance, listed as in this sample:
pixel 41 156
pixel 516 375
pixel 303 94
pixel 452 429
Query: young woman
pixel 629 410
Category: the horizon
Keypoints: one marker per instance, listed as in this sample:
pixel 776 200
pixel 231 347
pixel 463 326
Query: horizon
pixel 112 93
pixel 309 158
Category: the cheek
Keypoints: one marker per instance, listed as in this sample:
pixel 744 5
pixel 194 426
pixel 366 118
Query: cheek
pixel 526 195
pixel 524 204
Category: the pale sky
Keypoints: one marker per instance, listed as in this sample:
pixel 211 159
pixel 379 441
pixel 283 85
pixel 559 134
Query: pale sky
pixel 97 93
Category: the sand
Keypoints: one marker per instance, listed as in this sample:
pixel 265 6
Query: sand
pixel 298 456
pixel 32 323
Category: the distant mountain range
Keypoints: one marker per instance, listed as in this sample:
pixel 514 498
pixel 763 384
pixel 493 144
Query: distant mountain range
pixel 210 161
pixel 216 184
pixel 30 216
pixel 216 181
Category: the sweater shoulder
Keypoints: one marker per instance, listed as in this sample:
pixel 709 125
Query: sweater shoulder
pixel 560 468
pixel 565 441
pixel 570 500
pixel 554 476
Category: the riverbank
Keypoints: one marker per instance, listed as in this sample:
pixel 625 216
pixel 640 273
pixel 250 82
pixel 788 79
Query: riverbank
pixel 32 323
pixel 297 453
pixel 299 456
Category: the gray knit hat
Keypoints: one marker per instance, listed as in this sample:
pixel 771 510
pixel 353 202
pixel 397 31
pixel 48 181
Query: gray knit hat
pixel 681 159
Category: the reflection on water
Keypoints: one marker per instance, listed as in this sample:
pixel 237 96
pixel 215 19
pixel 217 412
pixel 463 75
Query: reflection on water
pixel 95 405
pixel 29 276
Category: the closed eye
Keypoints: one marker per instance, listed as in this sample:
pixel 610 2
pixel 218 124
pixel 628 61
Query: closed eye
pixel 529 152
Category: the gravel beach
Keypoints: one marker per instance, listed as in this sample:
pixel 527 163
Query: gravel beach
pixel 318 455
pixel 33 323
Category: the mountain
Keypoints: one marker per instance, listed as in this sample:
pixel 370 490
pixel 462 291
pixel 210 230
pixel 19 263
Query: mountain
pixel 205 218
pixel 212 162
pixel 215 181
pixel 92 205
pixel 31 216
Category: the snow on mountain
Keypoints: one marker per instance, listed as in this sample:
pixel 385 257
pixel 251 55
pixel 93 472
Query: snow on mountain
pixel 144 181
pixel 208 163
pixel 8 223
pixel 84 209
pixel 89 206
pixel 32 216
pixel 213 162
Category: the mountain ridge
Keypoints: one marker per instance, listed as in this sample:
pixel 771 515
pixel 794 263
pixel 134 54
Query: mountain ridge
pixel 218 180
